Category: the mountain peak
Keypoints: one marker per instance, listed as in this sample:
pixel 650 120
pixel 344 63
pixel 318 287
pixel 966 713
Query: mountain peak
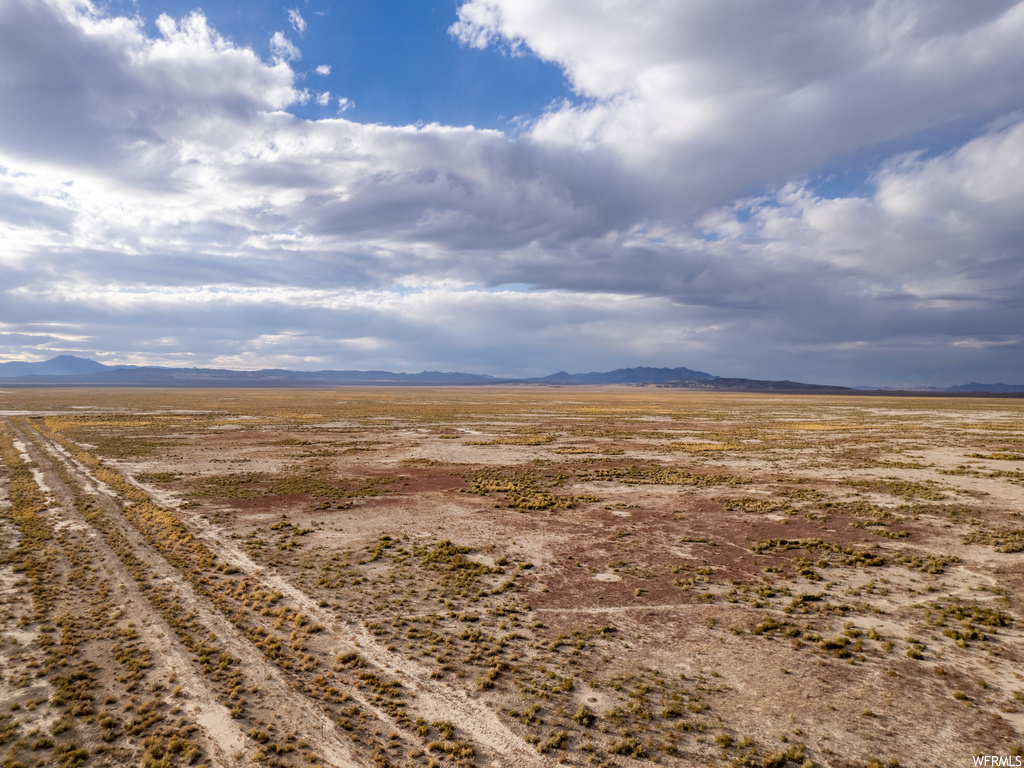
pixel 639 375
pixel 62 365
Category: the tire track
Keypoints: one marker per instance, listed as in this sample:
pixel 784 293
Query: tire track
pixel 222 732
pixel 433 701
pixel 278 695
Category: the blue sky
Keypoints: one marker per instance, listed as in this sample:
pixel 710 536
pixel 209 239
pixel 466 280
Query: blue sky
pixel 827 192
pixel 394 60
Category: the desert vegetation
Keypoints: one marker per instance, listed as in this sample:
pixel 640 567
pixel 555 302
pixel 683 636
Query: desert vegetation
pixel 605 577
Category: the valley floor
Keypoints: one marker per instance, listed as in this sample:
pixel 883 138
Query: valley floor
pixel 509 577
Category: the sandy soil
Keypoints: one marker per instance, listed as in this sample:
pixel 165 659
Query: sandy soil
pixel 509 577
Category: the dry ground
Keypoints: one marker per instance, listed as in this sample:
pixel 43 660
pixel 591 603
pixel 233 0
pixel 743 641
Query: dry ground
pixel 509 577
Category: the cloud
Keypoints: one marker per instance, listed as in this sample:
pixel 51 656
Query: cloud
pixel 157 198
pixel 284 49
pixel 323 69
pixel 295 19
pixel 25 205
pixel 479 24
pixel 711 102
pixel 82 90
pixel 435 326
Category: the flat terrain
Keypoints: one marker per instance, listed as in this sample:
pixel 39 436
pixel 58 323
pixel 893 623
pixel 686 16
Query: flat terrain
pixel 509 577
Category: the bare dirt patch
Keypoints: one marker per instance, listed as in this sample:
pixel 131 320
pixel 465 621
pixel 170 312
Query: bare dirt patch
pixel 506 577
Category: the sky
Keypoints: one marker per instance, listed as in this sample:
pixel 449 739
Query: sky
pixel 823 191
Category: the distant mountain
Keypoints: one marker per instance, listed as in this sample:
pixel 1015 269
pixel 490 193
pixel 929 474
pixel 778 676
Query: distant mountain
pixel 627 376
pixel 68 370
pixel 62 365
pixel 976 387
pixel 221 377
pixel 73 371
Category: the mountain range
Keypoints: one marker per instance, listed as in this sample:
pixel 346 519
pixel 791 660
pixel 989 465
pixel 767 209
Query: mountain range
pixel 64 365
pixel 71 370
pixel 68 370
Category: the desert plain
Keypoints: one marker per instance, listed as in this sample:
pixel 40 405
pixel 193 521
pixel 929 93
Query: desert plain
pixel 509 577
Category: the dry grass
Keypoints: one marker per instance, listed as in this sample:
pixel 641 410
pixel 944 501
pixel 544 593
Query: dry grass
pixel 618 575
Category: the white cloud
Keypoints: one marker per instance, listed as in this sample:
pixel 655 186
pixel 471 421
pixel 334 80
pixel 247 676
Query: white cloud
pixel 85 90
pixel 323 69
pixel 284 49
pixel 479 24
pixel 712 101
pixel 449 327
pixel 295 19
pixel 667 218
